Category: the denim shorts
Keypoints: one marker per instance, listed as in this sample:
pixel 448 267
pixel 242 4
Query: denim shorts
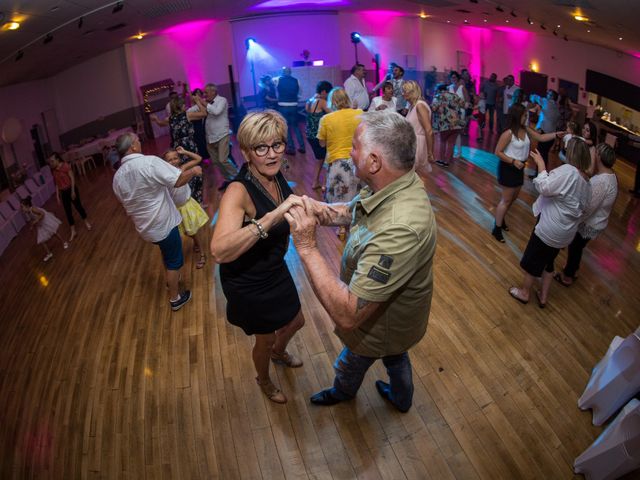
pixel 171 248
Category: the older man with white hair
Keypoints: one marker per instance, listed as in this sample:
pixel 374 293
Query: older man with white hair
pixel 216 128
pixel 142 184
pixel 380 303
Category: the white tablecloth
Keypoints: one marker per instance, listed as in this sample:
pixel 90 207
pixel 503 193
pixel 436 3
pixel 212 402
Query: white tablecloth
pixel 95 147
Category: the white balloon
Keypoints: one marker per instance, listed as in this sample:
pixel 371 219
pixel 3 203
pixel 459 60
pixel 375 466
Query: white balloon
pixel 11 130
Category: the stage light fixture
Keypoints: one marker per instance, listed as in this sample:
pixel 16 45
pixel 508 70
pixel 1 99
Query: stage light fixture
pixel 513 14
pixel 119 6
pixel 499 8
pixel 48 38
pixel 19 55
pixel 542 26
pixel 529 21
pixel 355 37
pixel 555 32
pixel 249 42
pixel 566 39
pixel 80 22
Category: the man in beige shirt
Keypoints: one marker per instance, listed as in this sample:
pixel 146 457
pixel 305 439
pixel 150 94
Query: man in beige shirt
pixel 381 301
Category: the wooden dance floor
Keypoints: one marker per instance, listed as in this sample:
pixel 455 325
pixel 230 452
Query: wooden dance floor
pixel 99 379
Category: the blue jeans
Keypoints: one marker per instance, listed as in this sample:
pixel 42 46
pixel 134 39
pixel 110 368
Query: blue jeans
pixel 290 114
pixel 350 369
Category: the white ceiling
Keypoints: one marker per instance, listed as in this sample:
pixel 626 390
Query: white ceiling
pixel 610 19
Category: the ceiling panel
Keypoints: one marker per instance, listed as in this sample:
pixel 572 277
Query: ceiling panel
pixel 610 20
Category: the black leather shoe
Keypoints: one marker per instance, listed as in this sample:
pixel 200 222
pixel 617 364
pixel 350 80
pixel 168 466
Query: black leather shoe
pixel 324 397
pixel 383 390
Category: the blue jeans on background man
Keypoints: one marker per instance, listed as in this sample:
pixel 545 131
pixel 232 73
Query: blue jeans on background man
pixel 351 368
pixel 290 114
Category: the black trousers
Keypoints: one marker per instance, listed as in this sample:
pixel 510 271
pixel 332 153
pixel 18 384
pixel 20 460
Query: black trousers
pixel 65 196
pixel 574 255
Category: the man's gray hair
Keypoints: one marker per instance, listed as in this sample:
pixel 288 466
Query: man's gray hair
pixel 212 86
pixel 124 142
pixel 393 134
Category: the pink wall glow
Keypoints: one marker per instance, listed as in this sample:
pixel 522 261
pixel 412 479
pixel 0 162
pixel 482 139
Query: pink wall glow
pixel 476 38
pixel 189 39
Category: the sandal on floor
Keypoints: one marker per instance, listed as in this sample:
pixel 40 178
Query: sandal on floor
pixel 513 291
pixel 286 359
pixel 200 263
pixel 541 304
pixel 558 278
pixel 272 392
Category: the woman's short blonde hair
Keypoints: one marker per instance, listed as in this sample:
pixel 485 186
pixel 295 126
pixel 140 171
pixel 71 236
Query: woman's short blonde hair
pixel 338 99
pixel 261 127
pixel 578 154
pixel 413 90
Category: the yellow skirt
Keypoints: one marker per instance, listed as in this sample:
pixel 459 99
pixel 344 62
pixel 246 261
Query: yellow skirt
pixel 193 217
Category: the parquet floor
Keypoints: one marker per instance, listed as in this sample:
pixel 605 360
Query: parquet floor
pixel 99 379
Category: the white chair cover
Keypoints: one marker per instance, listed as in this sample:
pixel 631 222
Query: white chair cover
pixel 38 192
pixel 614 380
pixel 616 451
pixel 15 217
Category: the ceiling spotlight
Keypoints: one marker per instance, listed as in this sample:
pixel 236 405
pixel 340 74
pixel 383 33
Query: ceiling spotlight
pixel 555 32
pixel 485 20
pixel 19 55
pixel 580 18
pixel 499 8
pixel 513 14
pixel 423 15
pixel 139 36
pixel 466 21
pixel 355 37
pixel 542 26
pixel 558 26
pixel 47 38
pixel 250 42
pixel 529 21
pixel 588 31
pixel 566 39
pixel 619 38
pixel 80 22
pixel 448 21
pixel 119 6
pixel 507 20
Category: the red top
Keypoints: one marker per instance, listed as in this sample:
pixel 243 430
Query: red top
pixel 61 176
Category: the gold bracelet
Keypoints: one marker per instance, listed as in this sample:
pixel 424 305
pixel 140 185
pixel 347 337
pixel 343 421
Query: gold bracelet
pixel 261 232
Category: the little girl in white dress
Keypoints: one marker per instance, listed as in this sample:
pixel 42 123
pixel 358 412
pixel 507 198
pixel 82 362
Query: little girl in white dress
pixel 46 224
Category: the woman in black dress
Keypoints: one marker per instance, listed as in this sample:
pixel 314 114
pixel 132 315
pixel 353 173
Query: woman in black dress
pixel 249 242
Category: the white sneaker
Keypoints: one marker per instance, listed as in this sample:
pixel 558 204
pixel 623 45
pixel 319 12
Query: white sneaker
pixel 65 245
pixel 48 257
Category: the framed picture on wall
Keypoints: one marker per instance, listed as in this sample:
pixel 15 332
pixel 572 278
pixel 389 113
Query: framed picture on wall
pixel 565 87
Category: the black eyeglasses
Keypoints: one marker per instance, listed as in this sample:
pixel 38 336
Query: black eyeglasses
pixel 262 150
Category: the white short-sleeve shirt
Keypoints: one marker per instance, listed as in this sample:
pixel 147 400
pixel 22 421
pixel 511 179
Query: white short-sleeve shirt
pixel 143 185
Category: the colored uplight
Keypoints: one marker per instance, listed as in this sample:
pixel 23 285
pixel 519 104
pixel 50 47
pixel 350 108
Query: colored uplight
pixel 250 42
pixel 535 67
pixel 296 3
pixel 355 37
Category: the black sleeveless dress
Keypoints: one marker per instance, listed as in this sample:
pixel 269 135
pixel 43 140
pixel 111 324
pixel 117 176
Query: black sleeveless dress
pixel 261 295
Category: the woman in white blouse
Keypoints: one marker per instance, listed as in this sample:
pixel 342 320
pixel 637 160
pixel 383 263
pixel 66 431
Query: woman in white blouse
pixel 564 197
pixel 604 190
